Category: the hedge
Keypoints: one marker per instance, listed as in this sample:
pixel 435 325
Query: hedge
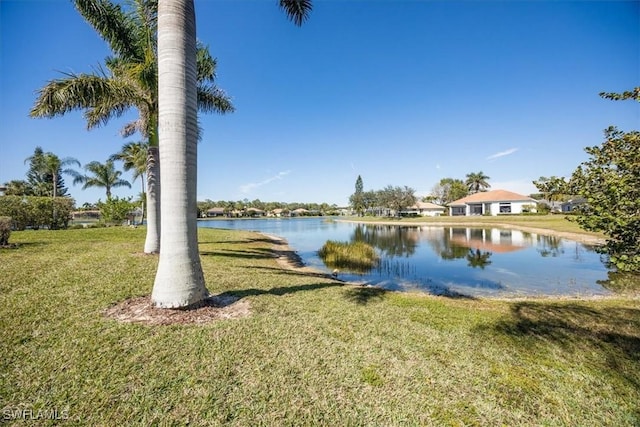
pixel 37 212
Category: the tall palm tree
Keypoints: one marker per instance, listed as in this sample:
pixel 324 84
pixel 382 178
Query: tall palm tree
pixel 103 175
pixel 179 280
pixel 134 158
pixel 129 81
pixel 477 181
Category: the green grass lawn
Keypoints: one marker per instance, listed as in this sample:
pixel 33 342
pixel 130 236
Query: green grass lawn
pixel 312 352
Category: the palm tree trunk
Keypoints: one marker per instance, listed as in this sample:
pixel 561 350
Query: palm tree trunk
pixel 152 241
pixel 143 180
pixel 179 280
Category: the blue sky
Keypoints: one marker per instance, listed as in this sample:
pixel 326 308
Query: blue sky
pixel 399 92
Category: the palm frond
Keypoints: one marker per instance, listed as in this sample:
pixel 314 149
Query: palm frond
pixel 206 64
pixel 81 92
pixel 297 11
pixel 102 113
pixel 113 25
pixel 213 99
pixel 137 125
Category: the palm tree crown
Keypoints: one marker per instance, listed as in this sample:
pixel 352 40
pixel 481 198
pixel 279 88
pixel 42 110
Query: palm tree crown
pixel 477 182
pixel 131 75
pixel 133 156
pixel 103 175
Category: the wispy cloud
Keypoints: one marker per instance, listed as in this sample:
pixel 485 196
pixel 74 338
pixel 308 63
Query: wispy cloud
pixel 247 188
pixel 502 154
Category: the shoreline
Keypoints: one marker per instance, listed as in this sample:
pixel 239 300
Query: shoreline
pixel 577 237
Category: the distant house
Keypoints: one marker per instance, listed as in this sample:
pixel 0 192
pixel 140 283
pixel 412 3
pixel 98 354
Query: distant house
pixel 424 209
pixel 570 205
pixel 495 202
pixel 214 212
pixel 254 212
pixel 278 212
pixel 299 212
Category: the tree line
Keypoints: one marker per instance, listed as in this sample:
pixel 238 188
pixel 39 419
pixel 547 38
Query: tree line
pixel 241 205
pixel 394 199
pixel 46 170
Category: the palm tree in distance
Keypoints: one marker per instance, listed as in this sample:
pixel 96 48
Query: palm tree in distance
pixel 477 182
pixel 104 175
pixel 179 279
pixel 52 165
pixel 129 81
pixel 134 158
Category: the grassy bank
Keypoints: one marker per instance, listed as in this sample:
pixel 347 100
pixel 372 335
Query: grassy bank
pixel 312 352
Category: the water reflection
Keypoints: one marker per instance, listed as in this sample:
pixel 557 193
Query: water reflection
pixel 478 258
pixel 392 241
pixel 404 263
pixel 550 246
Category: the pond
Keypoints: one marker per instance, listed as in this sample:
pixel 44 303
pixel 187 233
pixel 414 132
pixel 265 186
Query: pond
pixel 490 262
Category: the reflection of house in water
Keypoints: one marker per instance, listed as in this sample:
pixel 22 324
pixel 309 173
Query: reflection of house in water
pixel 493 240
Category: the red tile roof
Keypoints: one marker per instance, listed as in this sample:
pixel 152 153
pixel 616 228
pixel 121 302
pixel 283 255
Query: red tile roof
pixel 492 196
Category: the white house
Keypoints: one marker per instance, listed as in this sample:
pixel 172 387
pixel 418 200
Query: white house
pixel 424 209
pixel 493 202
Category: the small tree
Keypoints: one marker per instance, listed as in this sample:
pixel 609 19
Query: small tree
pixel 610 182
pixel 5 230
pixel 115 210
pixel 552 188
pixel 397 198
pixel 356 199
pixel 448 190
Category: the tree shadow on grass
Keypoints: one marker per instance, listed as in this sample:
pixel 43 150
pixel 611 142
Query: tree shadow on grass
pixel 244 241
pixel 294 272
pixel 245 254
pixel 364 295
pixel 609 336
pixel 277 291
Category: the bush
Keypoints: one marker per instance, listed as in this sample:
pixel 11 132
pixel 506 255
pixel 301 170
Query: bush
pixel 543 208
pixel 5 230
pixel 36 212
pixel 115 210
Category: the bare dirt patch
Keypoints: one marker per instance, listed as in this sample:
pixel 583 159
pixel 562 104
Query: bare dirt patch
pixel 140 310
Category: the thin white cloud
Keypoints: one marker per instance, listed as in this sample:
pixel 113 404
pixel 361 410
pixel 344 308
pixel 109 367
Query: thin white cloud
pixel 502 154
pixel 247 188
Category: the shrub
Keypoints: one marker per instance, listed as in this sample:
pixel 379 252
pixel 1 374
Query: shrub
pixel 36 212
pixel 5 230
pixel 543 208
pixel 115 210
pixel 358 257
